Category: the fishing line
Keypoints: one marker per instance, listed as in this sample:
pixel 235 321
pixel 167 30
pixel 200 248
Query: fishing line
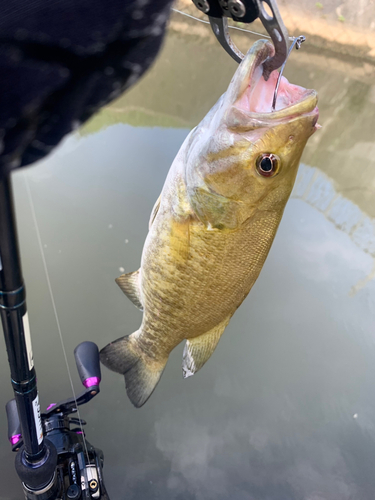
pixel 54 307
pixel 291 38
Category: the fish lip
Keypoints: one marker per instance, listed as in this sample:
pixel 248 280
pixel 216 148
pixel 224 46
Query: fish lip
pixel 256 56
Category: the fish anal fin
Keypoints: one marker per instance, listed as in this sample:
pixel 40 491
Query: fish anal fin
pixel 198 349
pixel 129 284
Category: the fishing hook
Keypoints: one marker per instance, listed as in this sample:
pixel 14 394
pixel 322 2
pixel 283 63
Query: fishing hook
pixel 297 42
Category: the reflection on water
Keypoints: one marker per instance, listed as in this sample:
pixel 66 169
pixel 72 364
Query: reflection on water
pixel 314 187
pixel 284 409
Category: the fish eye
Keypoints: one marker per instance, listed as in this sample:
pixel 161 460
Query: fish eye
pixel 268 164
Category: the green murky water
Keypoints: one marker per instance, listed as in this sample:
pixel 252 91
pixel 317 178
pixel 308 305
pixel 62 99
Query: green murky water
pixel 285 409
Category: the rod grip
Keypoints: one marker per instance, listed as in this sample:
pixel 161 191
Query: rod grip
pixel 14 424
pixel 88 363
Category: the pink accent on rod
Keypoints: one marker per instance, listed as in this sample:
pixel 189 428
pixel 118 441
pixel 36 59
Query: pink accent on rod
pixel 50 406
pixel 14 439
pixel 89 382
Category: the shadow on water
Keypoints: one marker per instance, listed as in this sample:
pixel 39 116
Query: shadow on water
pixel 284 410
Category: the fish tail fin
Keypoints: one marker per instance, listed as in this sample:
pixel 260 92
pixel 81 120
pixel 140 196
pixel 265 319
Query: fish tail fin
pixel 142 373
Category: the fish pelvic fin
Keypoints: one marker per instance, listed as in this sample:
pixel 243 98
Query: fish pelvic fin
pixel 129 284
pixel 198 349
pixel 142 373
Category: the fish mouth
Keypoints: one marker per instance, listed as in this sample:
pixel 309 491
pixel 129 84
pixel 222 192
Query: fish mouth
pixel 251 95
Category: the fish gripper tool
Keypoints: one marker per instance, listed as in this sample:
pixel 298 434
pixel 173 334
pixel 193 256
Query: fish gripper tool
pixel 247 11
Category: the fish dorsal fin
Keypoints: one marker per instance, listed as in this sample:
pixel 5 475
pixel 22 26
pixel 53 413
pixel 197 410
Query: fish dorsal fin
pixel 154 212
pixel 129 284
pixel 198 349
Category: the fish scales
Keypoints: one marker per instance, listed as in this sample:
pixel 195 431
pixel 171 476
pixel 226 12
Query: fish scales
pixel 213 280
pixel 214 224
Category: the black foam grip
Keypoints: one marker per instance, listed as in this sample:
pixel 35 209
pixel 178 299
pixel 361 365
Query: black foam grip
pixel 87 360
pixel 37 477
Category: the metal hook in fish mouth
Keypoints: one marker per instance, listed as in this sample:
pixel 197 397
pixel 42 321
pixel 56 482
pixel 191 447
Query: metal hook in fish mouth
pixel 297 42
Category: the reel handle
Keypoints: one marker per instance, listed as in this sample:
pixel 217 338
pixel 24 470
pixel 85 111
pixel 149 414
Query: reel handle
pixel 88 363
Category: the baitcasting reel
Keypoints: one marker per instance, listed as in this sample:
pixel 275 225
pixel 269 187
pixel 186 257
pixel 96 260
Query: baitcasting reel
pixel 78 475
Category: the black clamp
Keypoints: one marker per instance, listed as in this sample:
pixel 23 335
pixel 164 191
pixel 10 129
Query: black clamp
pixel 246 11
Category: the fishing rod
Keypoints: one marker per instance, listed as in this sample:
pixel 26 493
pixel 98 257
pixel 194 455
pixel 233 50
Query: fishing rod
pixel 54 460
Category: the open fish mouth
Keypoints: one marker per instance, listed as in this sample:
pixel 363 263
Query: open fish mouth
pixel 252 95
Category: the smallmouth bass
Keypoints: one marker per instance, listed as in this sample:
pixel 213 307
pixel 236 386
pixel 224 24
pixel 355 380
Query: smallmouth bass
pixel 214 223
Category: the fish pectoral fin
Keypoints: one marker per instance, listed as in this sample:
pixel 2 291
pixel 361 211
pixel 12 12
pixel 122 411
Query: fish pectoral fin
pixel 129 284
pixel 197 350
pixel 179 239
pixel 154 212
pixel 214 210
